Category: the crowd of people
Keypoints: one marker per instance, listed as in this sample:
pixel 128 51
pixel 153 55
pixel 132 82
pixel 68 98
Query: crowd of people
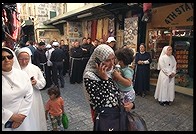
pixel 30 68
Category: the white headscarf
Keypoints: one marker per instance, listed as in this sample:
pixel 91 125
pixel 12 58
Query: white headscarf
pixel 102 52
pixel 15 61
pixel 164 51
pixel 26 50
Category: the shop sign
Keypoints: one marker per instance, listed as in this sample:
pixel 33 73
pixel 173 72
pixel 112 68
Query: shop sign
pixel 180 14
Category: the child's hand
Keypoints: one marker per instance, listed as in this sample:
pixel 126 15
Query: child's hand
pixel 128 106
pixel 116 75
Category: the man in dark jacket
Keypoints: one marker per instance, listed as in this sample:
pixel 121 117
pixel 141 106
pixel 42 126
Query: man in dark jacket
pixel 40 60
pixel 57 59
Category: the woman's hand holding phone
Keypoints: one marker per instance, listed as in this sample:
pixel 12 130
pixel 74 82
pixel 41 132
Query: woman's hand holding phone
pixel 33 81
pixel 101 68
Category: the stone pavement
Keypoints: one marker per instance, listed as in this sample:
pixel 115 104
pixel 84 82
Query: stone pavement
pixel 177 117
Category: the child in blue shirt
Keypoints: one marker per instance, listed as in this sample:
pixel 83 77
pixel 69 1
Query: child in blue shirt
pixel 124 76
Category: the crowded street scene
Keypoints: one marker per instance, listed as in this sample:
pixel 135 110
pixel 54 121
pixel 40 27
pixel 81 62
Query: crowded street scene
pixel 97 66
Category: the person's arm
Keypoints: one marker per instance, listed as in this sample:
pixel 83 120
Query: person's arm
pixel 91 87
pixel 149 60
pixel 136 58
pixel 97 89
pixel 125 81
pixel 6 114
pixel 164 67
pixel 62 105
pixel 174 68
pixel 52 57
pixel 25 105
pixel 37 59
pixel 47 109
pixel 129 105
pixel 40 80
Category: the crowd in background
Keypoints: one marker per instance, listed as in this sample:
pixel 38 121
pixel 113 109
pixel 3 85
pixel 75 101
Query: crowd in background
pixel 46 66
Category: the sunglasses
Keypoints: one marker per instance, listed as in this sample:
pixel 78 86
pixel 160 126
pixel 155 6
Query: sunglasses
pixel 8 57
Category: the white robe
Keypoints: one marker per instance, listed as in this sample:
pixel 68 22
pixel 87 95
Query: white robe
pixel 17 99
pixel 38 106
pixel 165 86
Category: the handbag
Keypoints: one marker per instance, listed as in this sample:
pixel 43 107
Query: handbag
pixel 110 119
pixel 136 122
pixel 65 121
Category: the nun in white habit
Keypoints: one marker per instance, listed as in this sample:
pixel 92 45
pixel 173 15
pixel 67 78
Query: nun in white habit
pixel 17 94
pixel 38 82
pixel 165 92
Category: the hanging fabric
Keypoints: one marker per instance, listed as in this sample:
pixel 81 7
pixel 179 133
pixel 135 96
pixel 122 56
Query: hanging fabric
pixel 15 26
pixel 85 28
pixel 93 29
pixel 89 23
pixel 105 28
pixel 99 29
pixel 111 31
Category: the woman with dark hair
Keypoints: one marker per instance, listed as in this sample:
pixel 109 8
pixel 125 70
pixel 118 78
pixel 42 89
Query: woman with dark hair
pixel 142 71
pixel 124 75
pixel 17 95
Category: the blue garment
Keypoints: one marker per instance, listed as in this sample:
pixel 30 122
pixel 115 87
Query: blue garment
pixel 142 79
pixel 127 93
pixel 33 49
pixel 127 72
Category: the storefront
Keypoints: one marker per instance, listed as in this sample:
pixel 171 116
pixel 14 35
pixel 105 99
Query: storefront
pixel 102 20
pixel 173 25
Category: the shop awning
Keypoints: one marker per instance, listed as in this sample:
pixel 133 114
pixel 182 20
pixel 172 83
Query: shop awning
pixel 71 13
pixel 93 10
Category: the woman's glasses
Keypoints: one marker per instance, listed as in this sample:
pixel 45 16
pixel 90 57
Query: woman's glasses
pixel 8 57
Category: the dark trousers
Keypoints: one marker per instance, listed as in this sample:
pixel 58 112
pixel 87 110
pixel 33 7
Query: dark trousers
pixel 57 72
pixel 47 75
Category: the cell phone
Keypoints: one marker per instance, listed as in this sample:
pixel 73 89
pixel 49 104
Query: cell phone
pixel 97 60
pixel 8 124
pixel 32 78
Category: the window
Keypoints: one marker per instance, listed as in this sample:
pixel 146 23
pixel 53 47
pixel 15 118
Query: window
pixel 52 14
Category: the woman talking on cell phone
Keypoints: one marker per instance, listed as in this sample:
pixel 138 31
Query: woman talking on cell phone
pixel 99 87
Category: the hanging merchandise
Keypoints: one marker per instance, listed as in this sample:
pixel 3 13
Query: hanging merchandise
pixel 105 28
pixel 85 28
pixel 181 54
pixel 10 24
pixel 93 29
pixel 89 23
pixel 99 29
pixel 130 32
pixel 111 29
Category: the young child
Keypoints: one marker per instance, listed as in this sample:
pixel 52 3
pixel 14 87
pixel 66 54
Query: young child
pixel 123 76
pixel 55 108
